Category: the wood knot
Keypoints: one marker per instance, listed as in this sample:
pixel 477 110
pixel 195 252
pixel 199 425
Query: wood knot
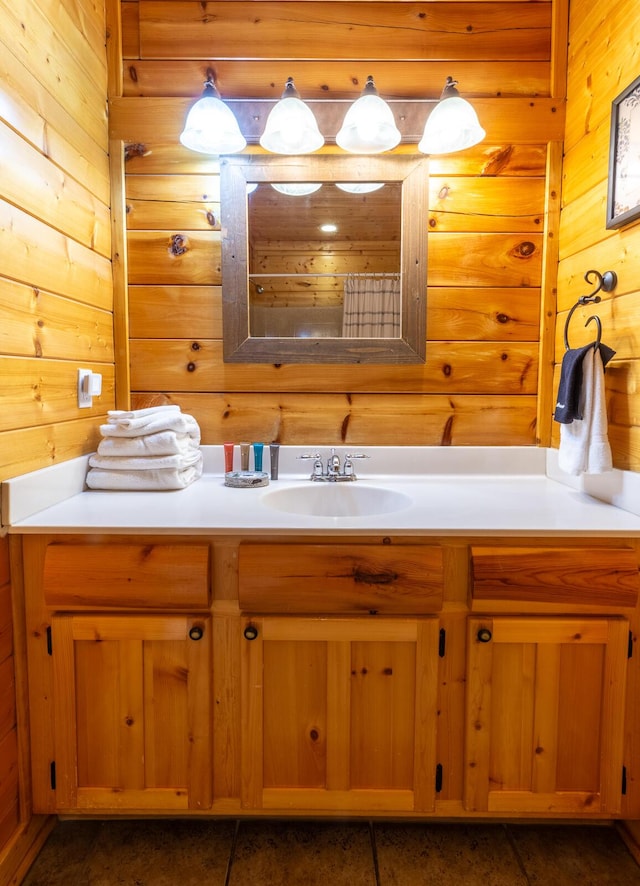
pixel 178 244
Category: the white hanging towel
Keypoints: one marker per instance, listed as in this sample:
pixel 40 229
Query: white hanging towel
pixel 584 445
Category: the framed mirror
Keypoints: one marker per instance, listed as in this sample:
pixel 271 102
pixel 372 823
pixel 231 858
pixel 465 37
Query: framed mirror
pixel 324 259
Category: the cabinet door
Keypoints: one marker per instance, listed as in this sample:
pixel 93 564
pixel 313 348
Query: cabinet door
pixel 545 714
pixel 132 712
pixel 339 713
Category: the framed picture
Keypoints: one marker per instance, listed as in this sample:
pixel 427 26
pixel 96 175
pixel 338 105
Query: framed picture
pixel 623 197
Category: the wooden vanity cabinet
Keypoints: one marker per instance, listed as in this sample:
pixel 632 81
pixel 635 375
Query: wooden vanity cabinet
pixel 132 714
pixel 339 706
pixel 545 714
pixel 436 678
pixel 339 713
pixel 546 693
pixel 120 674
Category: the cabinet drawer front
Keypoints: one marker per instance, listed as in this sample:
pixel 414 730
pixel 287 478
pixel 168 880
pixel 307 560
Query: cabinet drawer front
pixel 340 578
pixel 154 575
pixel 579 576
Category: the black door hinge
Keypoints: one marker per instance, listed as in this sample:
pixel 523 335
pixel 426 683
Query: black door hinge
pixel 52 774
pixel 624 780
pixel 438 778
pixel 630 646
pixel 49 641
pixel 442 642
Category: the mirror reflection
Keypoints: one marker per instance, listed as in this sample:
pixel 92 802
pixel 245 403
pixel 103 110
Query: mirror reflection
pixel 324 259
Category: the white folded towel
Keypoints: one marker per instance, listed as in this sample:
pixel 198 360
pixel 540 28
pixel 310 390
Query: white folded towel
pixel 145 463
pixel 179 422
pixel 117 415
pixel 161 443
pixel 144 481
pixel 584 446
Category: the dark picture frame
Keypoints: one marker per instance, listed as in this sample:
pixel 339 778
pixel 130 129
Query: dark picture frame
pixel 623 195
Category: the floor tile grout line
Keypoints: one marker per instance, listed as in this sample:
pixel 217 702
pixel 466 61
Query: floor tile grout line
pixel 232 852
pixel 374 852
pixel 516 852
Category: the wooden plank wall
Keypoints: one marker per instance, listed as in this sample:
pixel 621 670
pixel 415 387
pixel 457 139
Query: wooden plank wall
pixel 55 297
pixel 492 227
pixel 604 58
pixel 55 230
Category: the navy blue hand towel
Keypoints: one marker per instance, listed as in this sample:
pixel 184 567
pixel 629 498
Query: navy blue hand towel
pixel 568 406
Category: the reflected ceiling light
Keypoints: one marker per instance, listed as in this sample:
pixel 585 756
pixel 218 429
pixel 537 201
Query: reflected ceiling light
pixel 359 187
pixel 452 125
pixel 291 127
pixel 329 228
pixel 210 127
pixel 298 189
pixel 368 127
pixel 251 187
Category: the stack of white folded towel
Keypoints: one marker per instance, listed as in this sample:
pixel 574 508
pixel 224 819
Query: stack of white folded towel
pixel 147 449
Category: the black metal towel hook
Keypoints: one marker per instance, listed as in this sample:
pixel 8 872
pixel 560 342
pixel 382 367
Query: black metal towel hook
pixel 605 282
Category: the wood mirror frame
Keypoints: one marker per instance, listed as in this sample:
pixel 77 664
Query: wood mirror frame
pixel 238 345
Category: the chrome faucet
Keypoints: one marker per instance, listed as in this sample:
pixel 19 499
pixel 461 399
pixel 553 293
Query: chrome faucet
pixel 335 473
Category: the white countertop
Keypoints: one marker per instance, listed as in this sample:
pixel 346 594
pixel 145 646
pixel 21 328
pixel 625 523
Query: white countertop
pixel 452 491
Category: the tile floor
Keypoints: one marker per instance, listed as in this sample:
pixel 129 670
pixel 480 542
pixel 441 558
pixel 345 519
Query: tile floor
pixel 302 853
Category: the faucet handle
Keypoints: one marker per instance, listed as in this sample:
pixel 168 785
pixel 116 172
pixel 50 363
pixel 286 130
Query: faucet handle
pixel 317 463
pixel 347 467
pixel 349 455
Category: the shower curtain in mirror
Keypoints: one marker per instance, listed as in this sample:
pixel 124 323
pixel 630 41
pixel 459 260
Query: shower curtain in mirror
pixel 371 306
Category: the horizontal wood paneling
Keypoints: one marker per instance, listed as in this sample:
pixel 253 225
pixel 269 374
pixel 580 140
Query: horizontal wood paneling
pixel 35 253
pixel 36 323
pixel 40 391
pixel 489 209
pixel 75 70
pixel 485 230
pixel 357 419
pixel 599 32
pixel 456 367
pixel 334 78
pixel 30 180
pixel 56 281
pixel 346 30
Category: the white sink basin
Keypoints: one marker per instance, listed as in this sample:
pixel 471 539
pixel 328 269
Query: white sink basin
pixel 336 500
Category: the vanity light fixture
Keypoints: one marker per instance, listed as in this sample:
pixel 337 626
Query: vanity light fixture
pixel 368 127
pixel 359 187
pixel 291 127
pixel 210 127
pixel 452 125
pixel 297 189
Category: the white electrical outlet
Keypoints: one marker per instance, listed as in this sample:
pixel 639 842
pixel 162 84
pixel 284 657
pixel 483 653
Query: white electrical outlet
pixel 89 386
pixel 85 397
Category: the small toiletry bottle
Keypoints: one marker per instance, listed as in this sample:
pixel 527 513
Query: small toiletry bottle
pixel 274 451
pixel 257 456
pixel 228 457
pixel 244 456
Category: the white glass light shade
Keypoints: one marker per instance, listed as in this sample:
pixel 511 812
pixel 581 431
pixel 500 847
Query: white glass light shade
pixel 452 125
pixel 210 127
pixel 359 187
pixel 291 127
pixel 298 189
pixel 368 127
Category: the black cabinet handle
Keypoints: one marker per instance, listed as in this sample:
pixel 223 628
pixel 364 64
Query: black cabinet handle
pixel 484 635
pixel 196 632
pixel 250 632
